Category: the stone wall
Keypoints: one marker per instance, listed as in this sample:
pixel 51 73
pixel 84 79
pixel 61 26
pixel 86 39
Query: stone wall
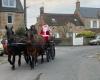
pixel 18 19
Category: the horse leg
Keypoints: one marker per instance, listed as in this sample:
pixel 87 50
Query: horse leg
pixel 41 53
pixel 26 57
pixel 30 61
pixel 36 58
pixel 33 62
pixel 42 59
pixel 13 66
pixel 9 59
pixel 19 61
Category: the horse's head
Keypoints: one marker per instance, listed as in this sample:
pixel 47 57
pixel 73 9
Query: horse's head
pixel 28 37
pixel 9 32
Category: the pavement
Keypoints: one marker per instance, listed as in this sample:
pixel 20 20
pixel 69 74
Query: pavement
pixel 3 59
pixel 71 63
pixel 89 69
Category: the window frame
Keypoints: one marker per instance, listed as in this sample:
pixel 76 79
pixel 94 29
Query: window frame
pixel 3 4
pixel 94 23
pixel 12 17
pixel 9 19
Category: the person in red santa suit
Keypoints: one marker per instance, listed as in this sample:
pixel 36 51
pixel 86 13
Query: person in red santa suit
pixel 45 32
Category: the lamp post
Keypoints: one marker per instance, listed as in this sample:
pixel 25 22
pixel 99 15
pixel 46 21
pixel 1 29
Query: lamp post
pixel 25 14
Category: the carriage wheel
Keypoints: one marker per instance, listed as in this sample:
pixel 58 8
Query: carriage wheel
pixel 31 62
pixel 48 55
pixel 53 53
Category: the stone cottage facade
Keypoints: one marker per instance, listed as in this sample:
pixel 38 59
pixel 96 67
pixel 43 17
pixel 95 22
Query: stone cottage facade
pixel 11 13
pixel 89 16
pixel 61 24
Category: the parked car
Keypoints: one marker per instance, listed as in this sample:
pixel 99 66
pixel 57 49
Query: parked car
pixel 1 48
pixel 95 41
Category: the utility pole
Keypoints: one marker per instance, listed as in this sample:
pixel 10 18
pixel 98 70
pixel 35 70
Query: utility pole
pixel 25 14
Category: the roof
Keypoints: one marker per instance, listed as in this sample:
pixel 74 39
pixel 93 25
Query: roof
pixel 62 19
pixel 90 12
pixel 18 8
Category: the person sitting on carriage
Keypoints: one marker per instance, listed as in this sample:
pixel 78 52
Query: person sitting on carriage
pixel 33 33
pixel 46 34
pixel 33 30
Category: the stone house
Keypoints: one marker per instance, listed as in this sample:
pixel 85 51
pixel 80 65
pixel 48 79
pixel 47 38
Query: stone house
pixel 64 26
pixel 89 16
pixel 61 24
pixel 11 13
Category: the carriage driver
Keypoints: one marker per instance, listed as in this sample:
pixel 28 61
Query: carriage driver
pixel 33 30
pixel 45 32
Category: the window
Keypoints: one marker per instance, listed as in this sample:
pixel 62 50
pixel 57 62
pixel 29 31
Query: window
pixel 57 35
pixel 98 37
pixel 94 24
pixel 9 3
pixel 75 19
pixel 88 24
pixel 53 20
pixel 69 34
pixel 5 2
pixel 10 19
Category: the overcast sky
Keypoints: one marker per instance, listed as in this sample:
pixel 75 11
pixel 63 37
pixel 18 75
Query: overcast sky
pixel 55 6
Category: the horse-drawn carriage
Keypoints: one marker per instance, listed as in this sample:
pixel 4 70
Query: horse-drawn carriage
pixel 30 48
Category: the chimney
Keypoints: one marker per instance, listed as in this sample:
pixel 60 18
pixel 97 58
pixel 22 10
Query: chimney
pixel 41 16
pixel 77 10
pixel 41 10
pixel 77 6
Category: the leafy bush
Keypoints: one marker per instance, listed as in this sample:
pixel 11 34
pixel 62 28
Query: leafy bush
pixel 86 34
pixel 20 31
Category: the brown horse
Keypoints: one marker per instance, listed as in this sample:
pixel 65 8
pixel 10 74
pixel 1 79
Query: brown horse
pixel 35 47
pixel 13 48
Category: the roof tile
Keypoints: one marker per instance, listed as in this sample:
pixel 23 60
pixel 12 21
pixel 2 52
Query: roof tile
pixel 90 12
pixel 62 19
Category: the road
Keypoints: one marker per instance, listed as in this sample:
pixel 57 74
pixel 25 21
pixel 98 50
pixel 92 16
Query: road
pixel 71 63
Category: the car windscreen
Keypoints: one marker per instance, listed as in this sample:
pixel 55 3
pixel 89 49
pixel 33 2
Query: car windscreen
pixel 97 37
